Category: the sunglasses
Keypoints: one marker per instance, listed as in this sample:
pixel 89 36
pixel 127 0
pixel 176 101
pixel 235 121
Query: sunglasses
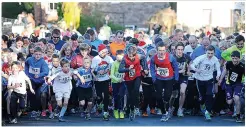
pixel 56 37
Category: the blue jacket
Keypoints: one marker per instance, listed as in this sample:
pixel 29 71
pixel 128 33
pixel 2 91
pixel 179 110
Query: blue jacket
pixel 32 66
pixel 58 45
pixel 201 50
pixel 174 65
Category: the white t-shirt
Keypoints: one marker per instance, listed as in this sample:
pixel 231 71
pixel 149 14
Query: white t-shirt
pixel 62 82
pixel 21 79
pixel 102 64
pixel 207 67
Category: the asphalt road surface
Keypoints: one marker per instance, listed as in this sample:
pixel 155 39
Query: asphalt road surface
pixel 151 120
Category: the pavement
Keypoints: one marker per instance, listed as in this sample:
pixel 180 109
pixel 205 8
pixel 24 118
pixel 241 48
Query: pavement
pixel 151 120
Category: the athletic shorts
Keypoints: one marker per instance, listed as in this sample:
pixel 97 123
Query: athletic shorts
pixel 232 90
pixel 62 94
pixel 84 93
pixel 183 79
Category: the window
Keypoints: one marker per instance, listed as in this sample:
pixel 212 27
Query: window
pixel 53 6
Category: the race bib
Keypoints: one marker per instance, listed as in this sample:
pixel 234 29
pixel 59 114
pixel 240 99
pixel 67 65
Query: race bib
pixel 181 65
pixel 132 73
pixel 207 67
pixel 233 76
pixel 164 72
pixel 34 71
pixel 87 78
pixel 119 75
pixel 64 79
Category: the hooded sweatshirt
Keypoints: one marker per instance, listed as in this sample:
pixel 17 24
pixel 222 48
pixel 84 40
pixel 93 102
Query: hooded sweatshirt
pixel 36 67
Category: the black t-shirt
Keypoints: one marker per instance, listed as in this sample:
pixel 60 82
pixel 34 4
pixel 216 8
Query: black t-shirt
pixel 236 72
pixel 183 62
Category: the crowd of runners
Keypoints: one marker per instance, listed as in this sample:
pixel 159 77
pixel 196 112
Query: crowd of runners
pixel 122 76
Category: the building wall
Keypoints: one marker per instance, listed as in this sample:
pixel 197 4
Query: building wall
pixel 130 13
pixel 43 13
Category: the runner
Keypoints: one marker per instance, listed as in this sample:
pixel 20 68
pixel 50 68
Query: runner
pixel 17 82
pixel 62 87
pixel 84 86
pixel 204 67
pixel 101 66
pixel 235 70
pixel 118 85
pixel 131 66
pixel 164 72
pixel 36 69
pixel 183 62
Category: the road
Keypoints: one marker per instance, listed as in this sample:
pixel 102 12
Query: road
pixel 152 120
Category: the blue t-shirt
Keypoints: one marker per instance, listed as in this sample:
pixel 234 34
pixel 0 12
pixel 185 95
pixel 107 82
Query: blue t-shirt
pixel 58 45
pixel 87 76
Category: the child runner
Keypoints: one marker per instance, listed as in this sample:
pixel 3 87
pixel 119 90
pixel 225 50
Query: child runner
pixel 54 68
pixel 36 69
pixel 118 86
pixel 132 65
pixel 62 87
pixel 101 66
pixel 84 86
pixel 17 82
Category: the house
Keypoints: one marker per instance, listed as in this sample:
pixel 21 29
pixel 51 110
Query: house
pixel 45 12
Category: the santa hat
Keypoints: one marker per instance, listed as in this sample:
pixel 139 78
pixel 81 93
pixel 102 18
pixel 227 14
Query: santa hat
pixel 101 48
pixel 142 44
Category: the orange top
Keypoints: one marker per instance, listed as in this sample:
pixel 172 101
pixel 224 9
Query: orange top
pixel 114 46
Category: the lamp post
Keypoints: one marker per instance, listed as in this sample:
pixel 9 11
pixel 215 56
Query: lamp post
pixel 106 19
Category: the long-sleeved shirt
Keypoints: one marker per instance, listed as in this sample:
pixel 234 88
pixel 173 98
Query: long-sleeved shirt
pixel 207 67
pixel 174 64
pixel 36 67
pixel 114 74
pixel 124 67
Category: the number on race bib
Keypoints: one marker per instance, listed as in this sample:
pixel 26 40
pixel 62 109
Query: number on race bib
pixel 207 67
pixel 233 76
pixel 87 78
pixel 35 71
pixel 119 75
pixel 163 72
pixel 132 73
pixel 64 79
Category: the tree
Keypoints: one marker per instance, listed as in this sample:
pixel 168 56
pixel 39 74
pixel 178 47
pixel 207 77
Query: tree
pixel 71 14
pixel 12 9
pixel 29 6
pixel 59 10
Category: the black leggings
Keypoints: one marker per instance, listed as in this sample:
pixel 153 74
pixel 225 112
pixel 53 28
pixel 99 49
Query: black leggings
pixel 133 93
pixel 163 100
pixel 102 87
pixel 13 103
